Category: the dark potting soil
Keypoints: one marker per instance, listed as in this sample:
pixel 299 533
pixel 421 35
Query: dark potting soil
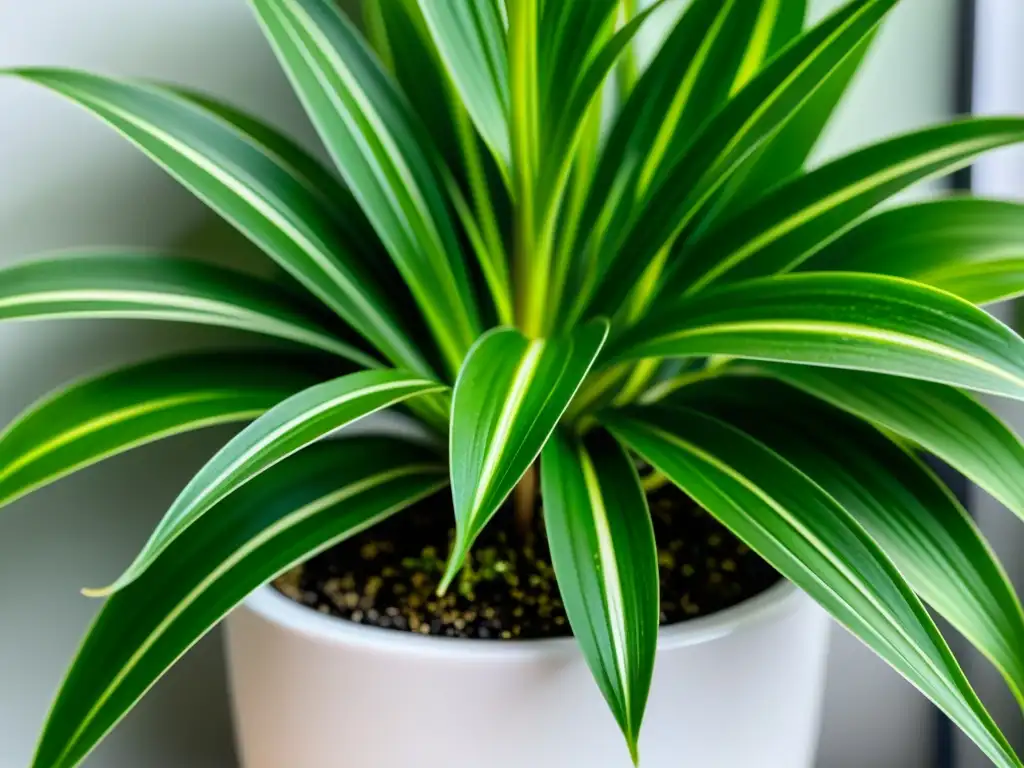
pixel 387 576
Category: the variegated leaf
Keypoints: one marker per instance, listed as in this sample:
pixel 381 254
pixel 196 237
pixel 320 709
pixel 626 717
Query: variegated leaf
pixel 287 428
pixel 305 505
pixel 509 396
pixel 606 563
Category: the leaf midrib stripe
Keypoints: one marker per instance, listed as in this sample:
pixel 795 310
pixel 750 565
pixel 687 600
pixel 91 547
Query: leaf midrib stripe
pixel 269 533
pixel 816 544
pixel 834 200
pixel 189 305
pixel 524 375
pixel 317 252
pixel 757 48
pixel 838 329
pixel 223 418
pixel 443 280
pixel 609 575
pixel 202 500
pixel 667 129
pixel 741 134
pixel 110 419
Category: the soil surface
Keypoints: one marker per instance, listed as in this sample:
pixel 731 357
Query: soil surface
pixel 387 576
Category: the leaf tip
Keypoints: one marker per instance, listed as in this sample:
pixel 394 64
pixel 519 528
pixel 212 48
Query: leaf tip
pixel 98 592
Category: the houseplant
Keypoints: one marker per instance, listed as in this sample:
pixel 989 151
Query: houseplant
pixel 672 291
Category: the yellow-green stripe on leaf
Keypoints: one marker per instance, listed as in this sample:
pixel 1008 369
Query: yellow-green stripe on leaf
pixel 903 506
pixel 723 142
pixel 839 320
pixel 811 540
pixel 292 425
pixel 121 285
pixel 108 414
pixel 508 398
pixel 971 247
pixel 944 421
pixel 606 562
pixel 384 154
pixel 252 188
pixel 305 505
pixel 782 229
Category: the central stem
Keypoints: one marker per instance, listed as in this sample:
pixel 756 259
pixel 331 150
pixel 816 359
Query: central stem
pixel 524 502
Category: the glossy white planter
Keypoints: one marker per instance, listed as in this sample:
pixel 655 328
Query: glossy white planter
pixel 740 688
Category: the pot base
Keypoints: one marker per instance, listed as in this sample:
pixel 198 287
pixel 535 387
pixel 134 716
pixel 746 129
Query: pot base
pixel 741 687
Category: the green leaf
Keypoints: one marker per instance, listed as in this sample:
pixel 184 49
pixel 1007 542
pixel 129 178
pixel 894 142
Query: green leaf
pixel 970 247
pixel 509 396
pixel 529 278
pixel 319 180
pixel 753 115
pixel 470 37
pixel 906 509
pixel 653 119
pixel 293 424
pixel 779 22
pixel 122 409
pixel 573 111
pixel 122 285
pixel 805 534
pixel 944 421
pixel 384 154
pixel 865 322
pixel 606 563
pixel 301 507
pixel 474 181
pixel 782 229
pixel 784 154
pixel 733 50
pixel 249 186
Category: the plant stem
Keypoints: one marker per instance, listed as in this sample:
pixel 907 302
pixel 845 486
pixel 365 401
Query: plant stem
pixel 524 502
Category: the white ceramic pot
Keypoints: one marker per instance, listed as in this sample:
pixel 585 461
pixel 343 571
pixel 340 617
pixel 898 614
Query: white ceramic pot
pixel 739 688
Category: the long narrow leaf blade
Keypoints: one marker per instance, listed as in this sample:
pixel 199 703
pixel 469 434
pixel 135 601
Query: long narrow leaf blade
pixel 322 181
pixel 649 124
pixel 905 508
pixel 606 563
pixel 804 533
pixel 383 153
pixel 753 115
pixel 781 230
pixel 251 188
pixel 287 428
pixel 476 184
pixel 470 37
pixel 129 407
pixel 301 507
pixel 944 421
pixel 865 322
pixel 509 396
pixel 971 247
pixel 121 285
pixel 785 154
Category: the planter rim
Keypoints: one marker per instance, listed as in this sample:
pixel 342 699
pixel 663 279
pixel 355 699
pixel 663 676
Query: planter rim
pixel 271 605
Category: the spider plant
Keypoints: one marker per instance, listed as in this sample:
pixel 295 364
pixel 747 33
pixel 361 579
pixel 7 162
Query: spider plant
pixel 562 264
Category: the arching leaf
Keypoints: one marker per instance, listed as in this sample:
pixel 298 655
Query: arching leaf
pixel 287 428
pixel 839 320
pixel 606 563
pixel 301 507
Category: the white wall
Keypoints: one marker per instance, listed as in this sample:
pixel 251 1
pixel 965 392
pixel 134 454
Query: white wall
pixel 67 181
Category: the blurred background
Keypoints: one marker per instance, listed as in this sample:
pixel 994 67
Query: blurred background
pixel 67 181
